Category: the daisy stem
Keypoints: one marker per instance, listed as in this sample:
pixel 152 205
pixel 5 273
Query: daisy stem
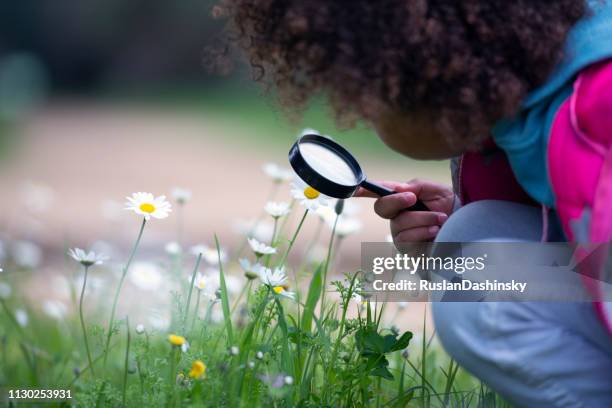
pixel 295 234
pixel 329 252
pixel 123 274
pixel 127 355
pixel 89 360
pixel 193 276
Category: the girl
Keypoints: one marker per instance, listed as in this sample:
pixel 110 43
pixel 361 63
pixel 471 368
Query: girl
pixel 521 93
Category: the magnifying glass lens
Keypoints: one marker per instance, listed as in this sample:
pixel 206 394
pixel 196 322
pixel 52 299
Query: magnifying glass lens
pixel 328 164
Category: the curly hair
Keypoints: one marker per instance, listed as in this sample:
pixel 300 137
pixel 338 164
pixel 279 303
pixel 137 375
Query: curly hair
pixel 465 63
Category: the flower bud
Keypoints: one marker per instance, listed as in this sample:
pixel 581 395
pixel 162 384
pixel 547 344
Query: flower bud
pixel 339 207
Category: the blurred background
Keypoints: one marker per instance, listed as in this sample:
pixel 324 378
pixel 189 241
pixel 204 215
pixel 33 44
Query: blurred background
pixel 101 98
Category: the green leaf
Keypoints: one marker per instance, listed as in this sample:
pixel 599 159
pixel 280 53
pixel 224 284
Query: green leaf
pixel 402 342
pixel 314 293
pixel 369 342
pixel 388 343
pixel 382 372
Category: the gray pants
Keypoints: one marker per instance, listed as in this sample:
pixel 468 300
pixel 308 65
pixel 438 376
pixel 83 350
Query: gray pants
pixel 535 354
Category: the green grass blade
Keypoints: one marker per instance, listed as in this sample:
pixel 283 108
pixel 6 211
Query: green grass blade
pixel 314 293
pixel 224 300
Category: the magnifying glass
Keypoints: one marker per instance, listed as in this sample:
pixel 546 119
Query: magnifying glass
pixel 329 168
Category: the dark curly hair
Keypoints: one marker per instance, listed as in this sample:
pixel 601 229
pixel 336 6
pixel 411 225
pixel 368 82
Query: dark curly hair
pixel 465 63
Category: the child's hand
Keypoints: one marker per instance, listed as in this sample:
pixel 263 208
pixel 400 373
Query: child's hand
pixel 413 226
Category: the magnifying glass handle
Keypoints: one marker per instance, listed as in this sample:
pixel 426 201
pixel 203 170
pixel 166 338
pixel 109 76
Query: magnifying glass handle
pixel 384 191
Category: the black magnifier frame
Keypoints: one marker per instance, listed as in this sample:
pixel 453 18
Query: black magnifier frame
pixel 329 187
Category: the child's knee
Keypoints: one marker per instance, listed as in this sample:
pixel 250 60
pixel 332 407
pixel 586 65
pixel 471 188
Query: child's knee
pixel 466 330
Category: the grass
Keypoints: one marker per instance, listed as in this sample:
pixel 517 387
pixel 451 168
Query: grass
pixel 321 348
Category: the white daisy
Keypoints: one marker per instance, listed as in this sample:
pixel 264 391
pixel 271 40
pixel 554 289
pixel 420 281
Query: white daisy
pixel 281 291
pixel 26 254
pixel 273 278
pixel 159 320
pixel 204 285
pixel 277 209
pixel 37 197
pixel 146 276
pixel 209 254
pixel 148 205
pixel 260 249
pixel 55 309
pixel 258 229
pixel 200 281
pixel 21 316
pixel 308 196
pixel 173 248
pixel 346 226
pixel 251 271
pixel 233 283
pixel 277 173
pixel 181 195
pixel 87 258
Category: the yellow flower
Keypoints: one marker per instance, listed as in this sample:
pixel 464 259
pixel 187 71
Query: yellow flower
pixel 176 340
pixel 198 369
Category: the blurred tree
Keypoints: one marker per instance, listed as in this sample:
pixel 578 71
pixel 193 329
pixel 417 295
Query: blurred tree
pixel 88 44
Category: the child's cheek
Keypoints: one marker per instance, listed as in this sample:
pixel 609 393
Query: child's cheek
pixel 414 138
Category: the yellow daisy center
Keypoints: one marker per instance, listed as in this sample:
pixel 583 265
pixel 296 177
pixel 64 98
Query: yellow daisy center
pixel 278 289
pixel 147 207
pixel 310 193
pixel 198 368
pixel 176 340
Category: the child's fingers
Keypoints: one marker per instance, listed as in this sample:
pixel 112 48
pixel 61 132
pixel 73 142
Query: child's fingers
pixel 407 220
pixel 388 207
pixel 392 185
pixel 418 234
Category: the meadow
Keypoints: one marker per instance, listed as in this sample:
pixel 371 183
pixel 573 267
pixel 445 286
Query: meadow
pixel 290 331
